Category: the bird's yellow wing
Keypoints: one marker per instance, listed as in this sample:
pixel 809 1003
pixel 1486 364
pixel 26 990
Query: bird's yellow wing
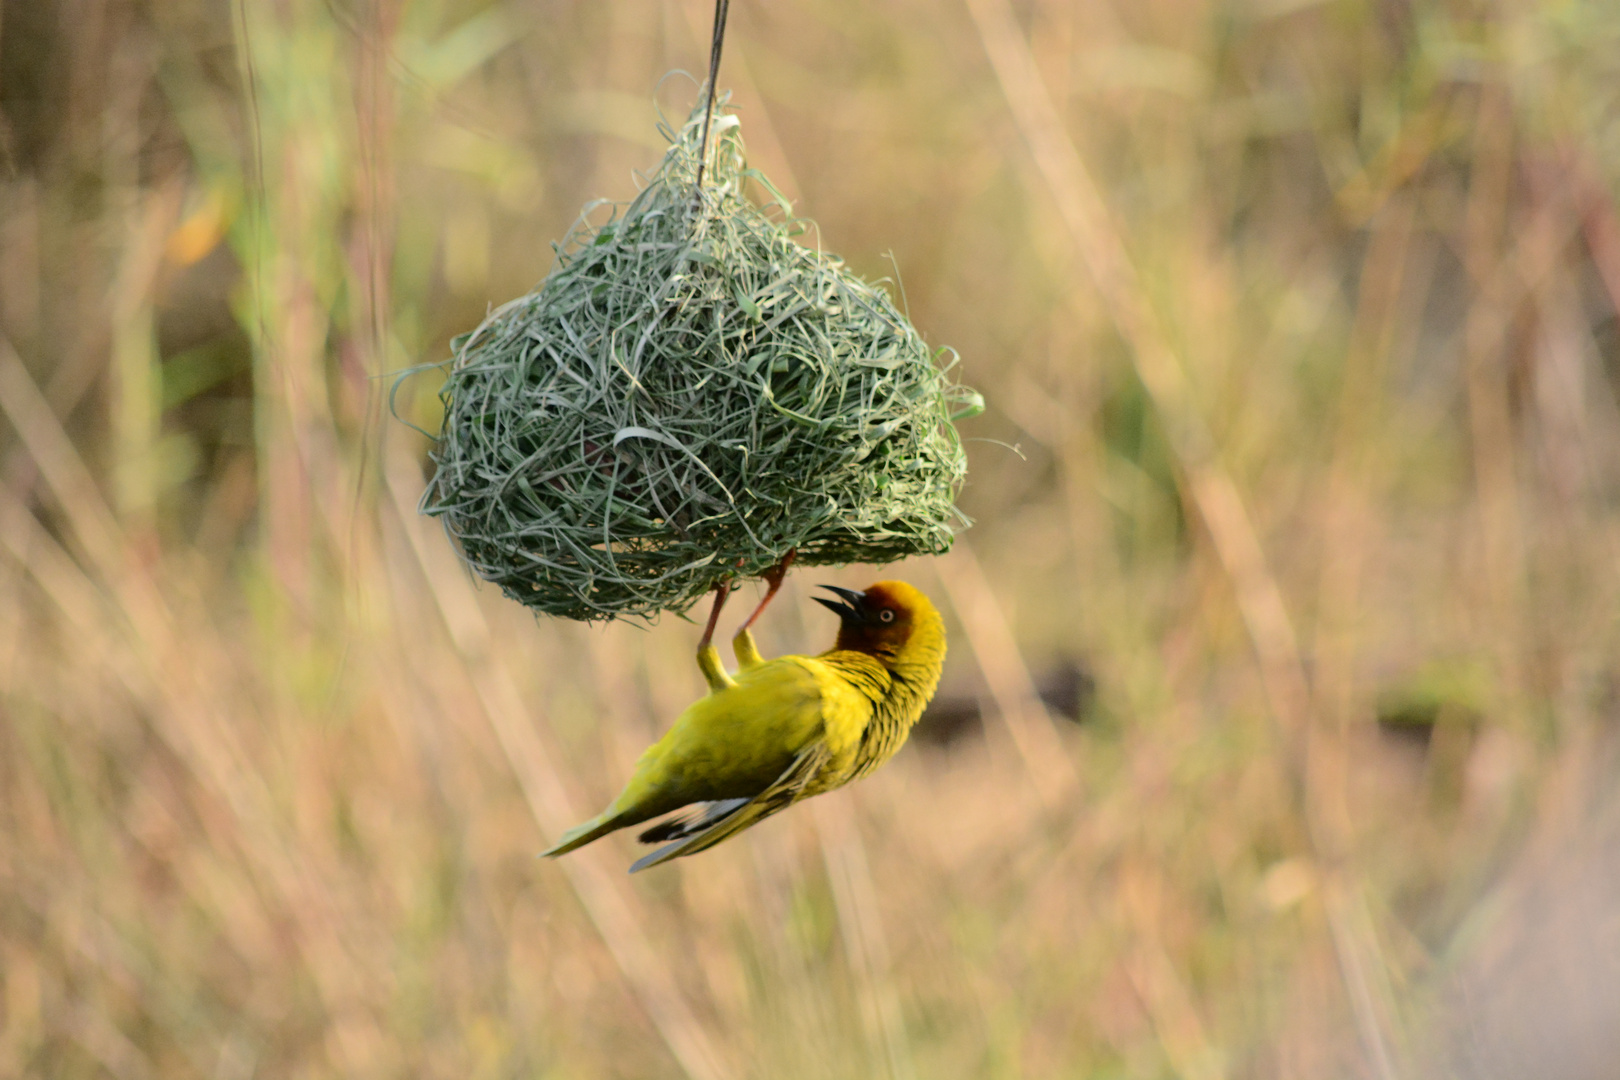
pixel 725 819
pixel 733 743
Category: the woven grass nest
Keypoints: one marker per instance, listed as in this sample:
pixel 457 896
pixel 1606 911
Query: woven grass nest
pixel 691 393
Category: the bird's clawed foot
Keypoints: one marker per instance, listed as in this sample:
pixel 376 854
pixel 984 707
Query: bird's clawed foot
pixel 743 644
pixel 721 591
pixel 709 660
pixel 773 581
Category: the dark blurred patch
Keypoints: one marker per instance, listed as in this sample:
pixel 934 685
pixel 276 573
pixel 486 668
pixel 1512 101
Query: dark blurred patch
pixel 1438 696
pixel 1067 688
pixel 949 718
pixel 1435 717
pixel 33 83
pixel 1410 723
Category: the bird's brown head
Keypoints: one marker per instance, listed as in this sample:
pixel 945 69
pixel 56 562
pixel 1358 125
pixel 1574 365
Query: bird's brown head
pixel 891 621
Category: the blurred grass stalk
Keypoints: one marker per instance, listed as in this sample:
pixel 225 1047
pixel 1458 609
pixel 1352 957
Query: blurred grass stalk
pixel 1209 487
pixel 1303 314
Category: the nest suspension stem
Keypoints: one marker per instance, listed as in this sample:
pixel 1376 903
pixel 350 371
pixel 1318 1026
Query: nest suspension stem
pixel 721 9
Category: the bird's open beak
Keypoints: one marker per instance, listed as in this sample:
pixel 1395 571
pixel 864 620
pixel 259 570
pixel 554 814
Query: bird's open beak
pixel 850 609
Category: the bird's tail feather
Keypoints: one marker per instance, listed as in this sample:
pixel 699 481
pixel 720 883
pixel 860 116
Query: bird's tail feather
pixel 718 828
pixel 722 820
pixel 691 822
pixel 580 835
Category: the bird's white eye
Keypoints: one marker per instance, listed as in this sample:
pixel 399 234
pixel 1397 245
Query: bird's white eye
pixel 886 616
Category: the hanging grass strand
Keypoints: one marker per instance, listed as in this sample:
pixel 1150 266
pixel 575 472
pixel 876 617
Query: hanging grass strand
pixel 688 395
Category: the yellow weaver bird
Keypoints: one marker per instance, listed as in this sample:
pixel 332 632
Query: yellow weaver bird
pixel 783 729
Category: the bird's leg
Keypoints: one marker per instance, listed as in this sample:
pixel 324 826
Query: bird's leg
pixel 743 644
pixel 707 657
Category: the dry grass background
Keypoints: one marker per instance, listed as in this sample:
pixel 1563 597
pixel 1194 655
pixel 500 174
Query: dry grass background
pixel 1301 312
